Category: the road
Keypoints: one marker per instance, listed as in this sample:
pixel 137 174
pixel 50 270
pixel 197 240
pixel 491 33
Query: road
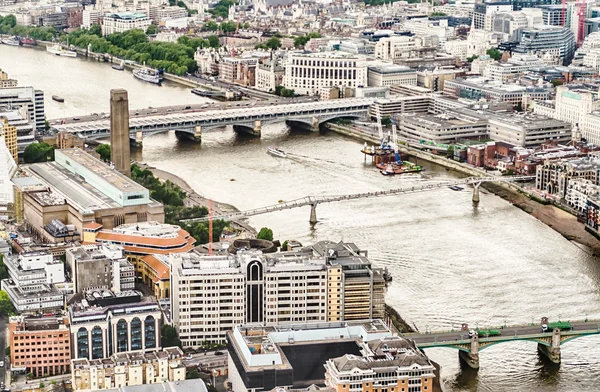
pixel 507 332
pixel 209 360
pixel 190 108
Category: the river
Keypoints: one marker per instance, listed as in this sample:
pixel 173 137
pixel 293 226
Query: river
pixel 452 262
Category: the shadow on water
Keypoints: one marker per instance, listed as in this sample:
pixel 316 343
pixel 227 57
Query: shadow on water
pixel 467 378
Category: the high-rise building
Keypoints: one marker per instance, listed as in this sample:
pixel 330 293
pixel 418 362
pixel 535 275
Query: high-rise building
pixel 9 134
pixel 40 345
pixel 548 40
pixel 8 167
pixel 5 81
pixel 119 131
pixel 326 282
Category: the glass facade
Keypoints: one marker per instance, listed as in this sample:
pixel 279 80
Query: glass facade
pixel 83 349
pixel 97 343
pixel 150 332
pixel 122 336
pixel 136 334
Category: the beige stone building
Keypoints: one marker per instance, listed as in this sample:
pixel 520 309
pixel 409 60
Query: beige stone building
pixel 127 369
pixel 9 133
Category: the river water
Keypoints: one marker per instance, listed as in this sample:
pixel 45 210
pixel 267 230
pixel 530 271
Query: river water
pixel 452 262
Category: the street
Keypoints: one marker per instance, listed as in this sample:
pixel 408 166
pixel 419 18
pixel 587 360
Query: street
pixel 3 334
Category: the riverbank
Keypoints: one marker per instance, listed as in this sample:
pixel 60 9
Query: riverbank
pixel 195 199
pixel 559 220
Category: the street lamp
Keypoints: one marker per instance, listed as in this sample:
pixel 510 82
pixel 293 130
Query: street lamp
pixel 586 317
pixel 532 324
pixel 214 374
pixel 559 317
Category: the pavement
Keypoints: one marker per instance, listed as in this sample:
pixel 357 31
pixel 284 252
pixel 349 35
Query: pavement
pixel 509 332
pixel 3 335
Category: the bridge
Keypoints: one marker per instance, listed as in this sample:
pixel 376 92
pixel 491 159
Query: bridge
pixel 250 120
pixel 313 201
pixel 549 343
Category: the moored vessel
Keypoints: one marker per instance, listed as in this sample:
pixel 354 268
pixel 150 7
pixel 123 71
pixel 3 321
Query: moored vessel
pixel 13 41
pixel 276 152
pixel 58 50
pixel 148 75
pixel 58 99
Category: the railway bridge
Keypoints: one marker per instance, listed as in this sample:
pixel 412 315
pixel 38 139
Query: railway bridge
pixel 313 201
pixel 250 120
pixel 549 343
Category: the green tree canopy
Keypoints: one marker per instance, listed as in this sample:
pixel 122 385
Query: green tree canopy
pixel 96 30
pixel 6 307
pixel 213 41
pixel 192 374
pixel 273 43
pixel 494 53
pixel 228 27
pixel 386 121
pixel 302 40
pixel 3 269
pixel 222 8
pixel 169 336
pixel 152 29
pixel 210 26
pixel 38 152
pixel 265 234
pixel 104 151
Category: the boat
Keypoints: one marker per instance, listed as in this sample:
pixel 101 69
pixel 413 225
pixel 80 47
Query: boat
pixel 119 67
pixel 148 75
pixel 13 41
pixel 456 188
pixel 276 152
pixel 389 171
pixel 28 41
pixel 60 51
pixel 58 99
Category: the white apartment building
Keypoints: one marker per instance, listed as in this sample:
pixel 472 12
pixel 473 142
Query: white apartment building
pixel 171 12
pixel 124 21
pixel 402 47
pixel 592 59
pixel 391 75
pixel 268 76
pixel 589 126
pixel 578 192
pixel 479 41
pixel 480 64
pixel 457 48
pixel 504 71
pixel 32 276
pixel 91 16
pixel 425 27
pixel 528 130
pixel 8 168
pixel 483 14
pixel 310 74
pixel 28 97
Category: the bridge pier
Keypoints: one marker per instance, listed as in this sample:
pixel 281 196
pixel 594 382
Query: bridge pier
pixel 195 137
pixel 138 141
pixel 313 214
pixel 471 358
pixel 314 124
pixel 476 192
pixel 255 130
pixel 552 352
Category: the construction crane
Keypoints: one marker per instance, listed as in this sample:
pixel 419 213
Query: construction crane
pixel 395 142
pixel 581 14
pixel 384 145
pixel 210 226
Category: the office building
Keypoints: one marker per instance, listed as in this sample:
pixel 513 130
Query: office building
pixel 90 17
pixel 388 363
pixel 128 369
pixel 105 323
pixel 400 47
pixel 119 131
pixel 310 74
pixel 503 72
pixel 325 282
pixel 171 12
pixel 264 358
pixel 483 13
pixel 5 81
pixel 145 244
pixel 79 189
pixel 238 70
pixel 32 99
pixel 445 128
pixel 548 40
pixel 124 21
pixel 391 75
pixel 572 104
pixel 528 130
pixel 578 192
pixel 31 283
pixel 40 345
pixel 477 89
pixel 100 267
pixel 24 128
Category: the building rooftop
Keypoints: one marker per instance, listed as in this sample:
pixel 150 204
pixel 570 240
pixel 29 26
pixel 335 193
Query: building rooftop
pixel 126 15
pixel 528 120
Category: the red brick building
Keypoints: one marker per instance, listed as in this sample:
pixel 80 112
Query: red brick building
pixel 40 345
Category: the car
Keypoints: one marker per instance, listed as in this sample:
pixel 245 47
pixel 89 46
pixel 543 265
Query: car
pixel 472 333
pixel 218 353
pixel 154 110
pixel 1 363
pixel 545 328
pixel 137 113
pixel 188 107
pixel 75 118
pixel 189 356
pixel 169 110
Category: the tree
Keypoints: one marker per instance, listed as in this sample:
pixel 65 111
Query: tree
pixel 450 152
pixel 288 93
pixel 169 337
pixel 470 59
pixel 6 307
pixel 38 152
pixel 7 351
pixel 192 374
pixel 96 30
pixel 42 385
pixel 494 53
pixel 104 151
pixel 284 245
pixel 438 14
pixel 213 41
pixel 152 29
pixel 557 82
pixel 3 269
pixel 46 124
pixel 265 234
pixel 210 26
pixel 386 121
pixel 228 27
pixel 273 43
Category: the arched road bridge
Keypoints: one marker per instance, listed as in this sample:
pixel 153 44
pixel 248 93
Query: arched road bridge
pixel 468 347
pixel 313 201
pixel 244 119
